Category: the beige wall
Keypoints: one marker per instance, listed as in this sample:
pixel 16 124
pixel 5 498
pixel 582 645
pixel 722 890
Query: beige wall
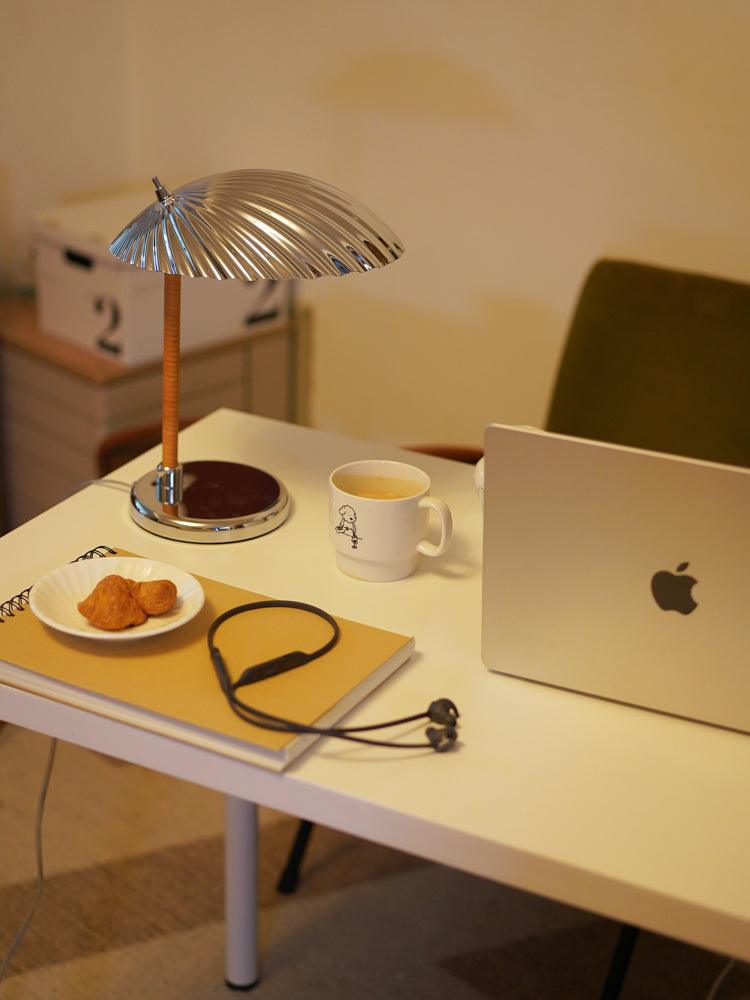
pixel 508 143
pixel 62 92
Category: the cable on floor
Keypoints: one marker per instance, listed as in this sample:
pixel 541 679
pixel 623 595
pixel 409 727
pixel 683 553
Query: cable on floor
pixel 716 985
pixel 21 933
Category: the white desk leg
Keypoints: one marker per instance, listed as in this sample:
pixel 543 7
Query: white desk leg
pixel 241 893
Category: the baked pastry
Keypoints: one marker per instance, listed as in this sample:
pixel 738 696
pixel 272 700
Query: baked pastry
pixel 116 602
pixel 112 606
pixel 156 596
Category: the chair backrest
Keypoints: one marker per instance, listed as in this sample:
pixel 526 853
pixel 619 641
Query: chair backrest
pixel 658 359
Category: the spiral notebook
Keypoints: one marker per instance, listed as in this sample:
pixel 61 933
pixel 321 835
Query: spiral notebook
pixel 166 684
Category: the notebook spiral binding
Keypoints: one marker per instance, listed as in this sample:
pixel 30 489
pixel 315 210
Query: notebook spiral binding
pixel 20 601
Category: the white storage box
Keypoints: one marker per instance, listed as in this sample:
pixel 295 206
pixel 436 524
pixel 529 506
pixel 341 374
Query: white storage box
pixel 115 310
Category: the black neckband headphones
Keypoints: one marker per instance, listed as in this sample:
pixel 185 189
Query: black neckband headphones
pixel 443 711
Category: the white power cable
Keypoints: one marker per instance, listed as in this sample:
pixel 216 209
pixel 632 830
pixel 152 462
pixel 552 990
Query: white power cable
pixel 714 991
pixel 114 483
pixel 21 933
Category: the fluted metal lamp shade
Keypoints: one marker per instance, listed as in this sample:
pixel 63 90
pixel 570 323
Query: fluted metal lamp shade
pixel 254 225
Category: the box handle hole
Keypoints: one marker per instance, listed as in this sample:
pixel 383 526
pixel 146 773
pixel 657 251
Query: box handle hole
pixel 79 259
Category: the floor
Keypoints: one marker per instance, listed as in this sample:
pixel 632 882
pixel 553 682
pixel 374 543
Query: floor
pixel 132 907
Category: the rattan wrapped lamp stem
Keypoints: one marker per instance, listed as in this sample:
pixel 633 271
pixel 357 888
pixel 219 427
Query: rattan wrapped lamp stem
pixel 170 417
pixel 169 483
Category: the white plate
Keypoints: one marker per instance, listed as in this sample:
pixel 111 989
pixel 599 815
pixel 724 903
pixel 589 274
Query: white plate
pixel 54 599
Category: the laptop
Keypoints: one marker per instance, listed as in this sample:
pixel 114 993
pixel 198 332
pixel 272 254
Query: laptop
pixel 619 573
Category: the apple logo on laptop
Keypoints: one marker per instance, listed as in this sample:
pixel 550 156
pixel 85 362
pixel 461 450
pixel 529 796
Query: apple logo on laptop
pixel 672 591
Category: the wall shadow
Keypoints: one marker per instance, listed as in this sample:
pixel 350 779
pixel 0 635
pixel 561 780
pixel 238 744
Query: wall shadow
pixel 411 82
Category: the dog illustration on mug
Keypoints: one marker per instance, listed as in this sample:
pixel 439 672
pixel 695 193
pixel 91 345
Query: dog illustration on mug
pixel 348 524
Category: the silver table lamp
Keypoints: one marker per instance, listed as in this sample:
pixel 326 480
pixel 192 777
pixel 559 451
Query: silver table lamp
pixel 255 225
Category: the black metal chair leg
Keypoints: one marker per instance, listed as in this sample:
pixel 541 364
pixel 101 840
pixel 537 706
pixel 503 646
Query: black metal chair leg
pixel 289 879
pixel 618 967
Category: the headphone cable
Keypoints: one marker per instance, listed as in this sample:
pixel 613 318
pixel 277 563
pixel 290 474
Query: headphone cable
pixel 441 711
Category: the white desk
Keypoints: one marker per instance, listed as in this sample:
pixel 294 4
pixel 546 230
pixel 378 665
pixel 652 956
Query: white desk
pixel 623 812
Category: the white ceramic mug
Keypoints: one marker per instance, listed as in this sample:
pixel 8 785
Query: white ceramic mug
pixel 378 517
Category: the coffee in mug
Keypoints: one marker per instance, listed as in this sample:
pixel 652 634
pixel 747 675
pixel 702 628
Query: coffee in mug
pixel 378 519
pixel 378 487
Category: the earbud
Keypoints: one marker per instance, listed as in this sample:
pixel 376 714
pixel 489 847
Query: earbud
pixel 443 711
pixel 441 739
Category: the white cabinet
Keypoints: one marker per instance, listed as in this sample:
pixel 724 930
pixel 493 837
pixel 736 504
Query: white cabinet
pixel 58 403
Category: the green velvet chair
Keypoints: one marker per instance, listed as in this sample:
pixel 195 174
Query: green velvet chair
pixel 655 358
pixel 658 359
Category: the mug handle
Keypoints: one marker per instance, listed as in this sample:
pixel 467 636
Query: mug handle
pixel 446 527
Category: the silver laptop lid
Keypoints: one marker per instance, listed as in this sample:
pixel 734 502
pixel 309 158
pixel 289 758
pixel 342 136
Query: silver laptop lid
pixel 618 572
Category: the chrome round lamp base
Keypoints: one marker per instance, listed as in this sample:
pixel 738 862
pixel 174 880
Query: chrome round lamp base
pixel 220 502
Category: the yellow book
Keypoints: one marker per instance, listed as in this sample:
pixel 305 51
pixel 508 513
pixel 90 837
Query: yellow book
pixel 166 684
